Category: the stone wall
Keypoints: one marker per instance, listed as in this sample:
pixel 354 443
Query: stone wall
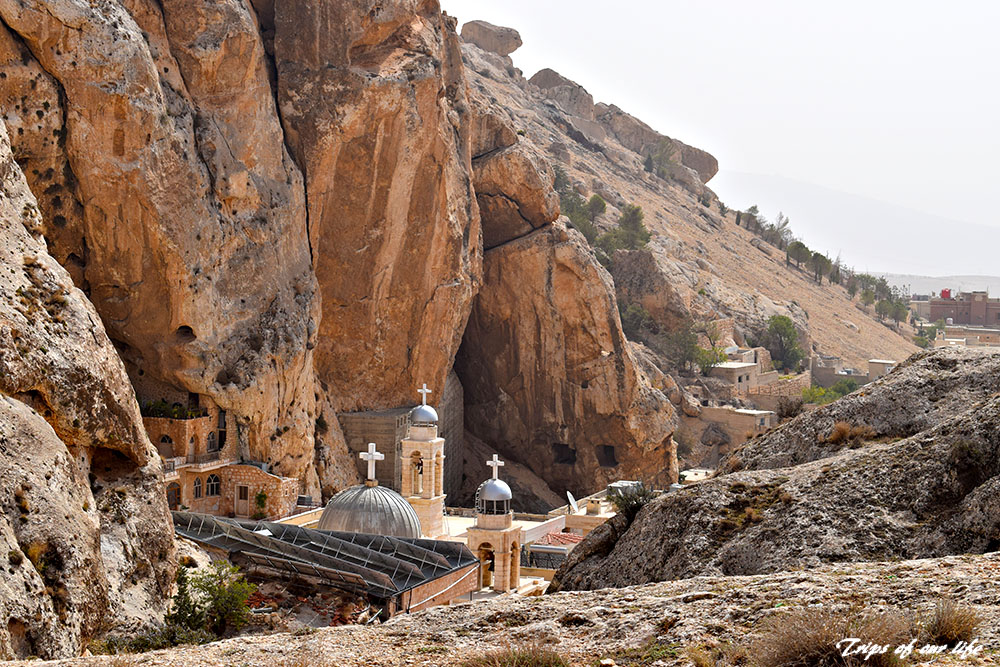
pixel 386 428
pixel 452 414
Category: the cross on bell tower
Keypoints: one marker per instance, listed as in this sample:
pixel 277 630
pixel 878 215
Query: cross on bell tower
pixel 495 464
pixel 371 456
pixel 423 391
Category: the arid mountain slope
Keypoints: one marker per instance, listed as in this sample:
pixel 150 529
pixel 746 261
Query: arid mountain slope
pixel 902 479
pixel 84 530
pixel 713 267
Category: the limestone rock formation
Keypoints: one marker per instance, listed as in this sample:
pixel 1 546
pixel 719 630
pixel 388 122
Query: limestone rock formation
pixel 495 39
pixel 865 494
pixel 172 199
pixel 921 393
pixel 548 375
pixel 635 135
pixel 639 280
pixel 571 96
pixel 84 526
pixel 373 104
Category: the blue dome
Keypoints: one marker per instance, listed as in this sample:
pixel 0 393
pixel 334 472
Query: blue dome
pixel 376 510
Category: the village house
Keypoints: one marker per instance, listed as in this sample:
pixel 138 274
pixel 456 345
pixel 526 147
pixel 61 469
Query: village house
pixel 829 370
pixel 202 467
pixel 967 336
pixel 975 308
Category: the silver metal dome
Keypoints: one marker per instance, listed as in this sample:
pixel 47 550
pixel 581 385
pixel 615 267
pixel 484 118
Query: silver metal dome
pixel 376 510
pixel 423 414
pixel 494 490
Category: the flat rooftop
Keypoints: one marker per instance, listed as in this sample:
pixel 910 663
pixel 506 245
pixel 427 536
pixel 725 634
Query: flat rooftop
pixel 735 364
pixel 881 361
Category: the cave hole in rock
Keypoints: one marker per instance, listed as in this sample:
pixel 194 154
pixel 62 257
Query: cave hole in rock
pixel 562 453
pixel 185 334
pixel 606 456
pixel 109 465
pixel 20 641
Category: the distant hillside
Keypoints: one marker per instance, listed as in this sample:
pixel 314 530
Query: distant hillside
pixel 873 236
pixel 927 284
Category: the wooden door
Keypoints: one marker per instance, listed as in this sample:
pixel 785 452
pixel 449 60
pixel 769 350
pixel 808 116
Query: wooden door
pixel 242 500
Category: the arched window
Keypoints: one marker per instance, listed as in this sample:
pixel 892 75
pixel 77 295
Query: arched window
pixel 166 440
pixel 213 444
pixel 197 487
pixel 212 486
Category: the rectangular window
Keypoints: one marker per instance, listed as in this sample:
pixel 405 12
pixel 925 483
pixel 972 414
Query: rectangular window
pixel 244 493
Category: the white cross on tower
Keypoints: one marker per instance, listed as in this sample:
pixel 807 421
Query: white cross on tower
pixel 371 456
pixel 495 464
pixel 423 391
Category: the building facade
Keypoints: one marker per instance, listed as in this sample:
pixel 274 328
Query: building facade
pixel 976 308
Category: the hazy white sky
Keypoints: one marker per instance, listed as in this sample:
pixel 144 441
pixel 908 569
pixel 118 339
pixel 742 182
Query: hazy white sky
pixel 898 101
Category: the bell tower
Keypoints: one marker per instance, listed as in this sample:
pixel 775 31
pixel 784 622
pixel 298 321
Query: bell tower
pixel 495 538
pixel 423 468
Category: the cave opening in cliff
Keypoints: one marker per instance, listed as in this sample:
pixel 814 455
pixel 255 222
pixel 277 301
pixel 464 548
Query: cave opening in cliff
pixel 606 456
pixel 563 454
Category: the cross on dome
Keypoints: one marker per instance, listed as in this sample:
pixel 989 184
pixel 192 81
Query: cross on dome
pixel 495 464
pixel 372 456
pixel 423 391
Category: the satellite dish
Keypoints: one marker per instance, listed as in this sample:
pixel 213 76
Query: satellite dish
pixel 572 502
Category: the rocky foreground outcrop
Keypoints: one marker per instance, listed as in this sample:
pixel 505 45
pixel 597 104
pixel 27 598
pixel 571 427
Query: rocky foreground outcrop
pixel 668 624
pixel 901 478
pixel 85 538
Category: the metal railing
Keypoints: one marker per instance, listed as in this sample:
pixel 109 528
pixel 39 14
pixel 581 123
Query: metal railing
pixel 204 458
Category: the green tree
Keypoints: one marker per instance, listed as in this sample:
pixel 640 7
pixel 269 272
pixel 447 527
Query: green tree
pixel 798 253
pixel 680 345
pixel 820 265
pixel 595 207
pixel 899 312
pixel 184 611
pixel 224 592
pixel 867 297
pixel 852 287
pixel 782 340
pixel 648 163
pixel 709 359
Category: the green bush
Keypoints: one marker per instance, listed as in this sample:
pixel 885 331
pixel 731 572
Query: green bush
pixel 629 502
pixel 224 593
pixel 709 359
pixel 631 233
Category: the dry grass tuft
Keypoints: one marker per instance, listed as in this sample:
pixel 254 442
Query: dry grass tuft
pixel 951 623
pixel 809 638
pixel 841 432
pixel 529 655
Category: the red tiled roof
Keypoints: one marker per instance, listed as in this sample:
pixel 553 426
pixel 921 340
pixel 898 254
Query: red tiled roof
pixel 559 539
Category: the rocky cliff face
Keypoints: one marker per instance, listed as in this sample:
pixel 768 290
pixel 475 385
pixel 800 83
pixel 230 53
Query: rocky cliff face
pixel 373 103
pixel 84 527
pixel 548 375
pixel 169 194
pixel 275 209
pixel 904 479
